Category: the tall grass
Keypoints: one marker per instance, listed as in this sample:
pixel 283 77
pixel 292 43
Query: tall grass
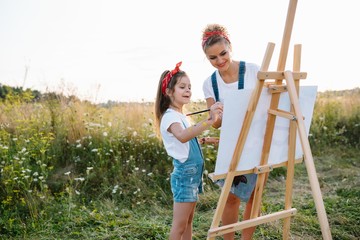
pixel 72 169
pixel 336 119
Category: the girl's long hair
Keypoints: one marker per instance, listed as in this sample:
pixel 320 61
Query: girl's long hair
pixel 163 101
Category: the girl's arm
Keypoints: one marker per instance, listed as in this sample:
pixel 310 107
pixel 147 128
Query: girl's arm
pixel 184 135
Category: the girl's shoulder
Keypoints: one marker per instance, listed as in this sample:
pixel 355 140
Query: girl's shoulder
pixel 171 114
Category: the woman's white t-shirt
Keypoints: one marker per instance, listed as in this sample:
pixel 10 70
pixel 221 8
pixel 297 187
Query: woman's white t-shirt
pixel 173 146
pixel 250 79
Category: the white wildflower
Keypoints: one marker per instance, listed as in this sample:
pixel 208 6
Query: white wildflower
pixel 88 170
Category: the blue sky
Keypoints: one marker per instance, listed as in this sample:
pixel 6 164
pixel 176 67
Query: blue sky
pixel 116 50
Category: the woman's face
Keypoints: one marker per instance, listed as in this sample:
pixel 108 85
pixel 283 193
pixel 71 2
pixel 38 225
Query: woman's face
pixel 219 55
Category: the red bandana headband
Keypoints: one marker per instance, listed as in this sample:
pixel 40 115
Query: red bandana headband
pixel 213 33
pixel 167 78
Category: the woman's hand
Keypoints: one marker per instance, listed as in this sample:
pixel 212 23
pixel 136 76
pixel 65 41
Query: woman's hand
pixel 209 140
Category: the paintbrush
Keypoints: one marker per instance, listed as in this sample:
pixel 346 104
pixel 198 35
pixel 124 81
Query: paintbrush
pixel 202 111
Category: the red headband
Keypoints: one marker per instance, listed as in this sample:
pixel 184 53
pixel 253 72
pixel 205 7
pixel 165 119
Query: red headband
pixel 213 33
pixel 167 78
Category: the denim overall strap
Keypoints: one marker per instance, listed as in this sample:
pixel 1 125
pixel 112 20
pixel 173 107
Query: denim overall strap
pixel 215 86
pixel 242 70
pixel 241 75
pixel 195 152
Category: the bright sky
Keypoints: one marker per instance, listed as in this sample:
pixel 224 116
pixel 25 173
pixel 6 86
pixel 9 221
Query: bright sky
pixel 104 50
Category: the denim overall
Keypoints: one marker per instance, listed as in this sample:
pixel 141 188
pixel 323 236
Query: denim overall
pixel 186 178
pixel 242 185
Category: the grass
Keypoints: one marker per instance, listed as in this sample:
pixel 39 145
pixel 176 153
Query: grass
pixel 99 172
pixel 338 173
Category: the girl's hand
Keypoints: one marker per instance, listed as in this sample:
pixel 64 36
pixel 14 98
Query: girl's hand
pixel 216 111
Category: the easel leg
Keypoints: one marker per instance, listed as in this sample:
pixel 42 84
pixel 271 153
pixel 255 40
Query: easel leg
pixel 309 161
pixel 292 146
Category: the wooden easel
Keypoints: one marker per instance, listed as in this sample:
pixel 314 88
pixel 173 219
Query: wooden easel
pixel 275 87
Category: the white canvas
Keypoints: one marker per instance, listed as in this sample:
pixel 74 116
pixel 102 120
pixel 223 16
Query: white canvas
pixel 235 107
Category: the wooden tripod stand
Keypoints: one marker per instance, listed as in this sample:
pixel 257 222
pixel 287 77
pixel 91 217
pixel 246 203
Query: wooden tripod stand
pixel 295 116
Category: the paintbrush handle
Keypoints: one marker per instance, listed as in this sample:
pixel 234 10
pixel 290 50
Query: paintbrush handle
pixel 202 111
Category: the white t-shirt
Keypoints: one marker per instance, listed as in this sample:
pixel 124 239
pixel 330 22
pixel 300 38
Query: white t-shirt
pixel 173 146
pixel 250 79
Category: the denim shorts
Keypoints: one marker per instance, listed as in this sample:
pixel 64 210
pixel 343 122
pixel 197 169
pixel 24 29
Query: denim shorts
pixel 244 188
pixel 186 182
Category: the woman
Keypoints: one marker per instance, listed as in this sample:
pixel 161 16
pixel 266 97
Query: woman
pixel 228 76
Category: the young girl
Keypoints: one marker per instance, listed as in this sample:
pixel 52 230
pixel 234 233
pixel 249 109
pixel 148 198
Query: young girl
pixel 179 138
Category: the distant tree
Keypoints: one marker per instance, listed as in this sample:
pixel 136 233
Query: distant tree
pixel 18 94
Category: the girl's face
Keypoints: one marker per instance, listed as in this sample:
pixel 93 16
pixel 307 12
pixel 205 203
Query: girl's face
pixel 182 92
pixel 219 55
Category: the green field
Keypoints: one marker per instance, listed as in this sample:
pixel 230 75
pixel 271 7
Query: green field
pixel 70 169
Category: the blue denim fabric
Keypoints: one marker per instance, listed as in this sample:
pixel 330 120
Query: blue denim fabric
pixel 186 178
pixel 242 190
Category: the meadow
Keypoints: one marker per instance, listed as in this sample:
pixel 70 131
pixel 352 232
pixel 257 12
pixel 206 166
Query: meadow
pixel 71 169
